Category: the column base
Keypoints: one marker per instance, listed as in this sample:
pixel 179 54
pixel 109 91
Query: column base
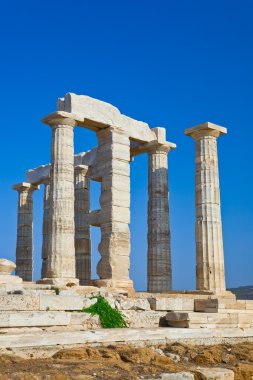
pixel 58 281
pixel 116 284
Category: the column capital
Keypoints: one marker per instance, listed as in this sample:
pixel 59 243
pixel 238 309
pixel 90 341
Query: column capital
pixel 205 129
pixel 25 186
pixel 61 118
pixel 154 147
pixel 81 169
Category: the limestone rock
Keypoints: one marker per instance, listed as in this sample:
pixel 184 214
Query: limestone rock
pixel 177 376
pixel 217 373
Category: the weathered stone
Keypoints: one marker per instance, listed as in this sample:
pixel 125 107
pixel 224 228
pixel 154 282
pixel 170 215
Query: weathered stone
pixel 177 376
pixel 85 320
pixel 206 305
pixel 9 282
pixel 171 304
pixel 12 302
pixel 132 304
pixel 88 302
pixel 58 302
pixel 144 318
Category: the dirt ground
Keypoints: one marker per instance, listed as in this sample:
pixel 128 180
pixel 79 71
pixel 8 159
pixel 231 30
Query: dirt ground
pixel 129 362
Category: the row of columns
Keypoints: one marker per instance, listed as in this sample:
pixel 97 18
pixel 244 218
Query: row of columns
pixel 66 237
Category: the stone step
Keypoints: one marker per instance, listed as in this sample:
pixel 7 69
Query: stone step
pixel 222 304
pixel 210 320
pixel 47 318
pixel 107 336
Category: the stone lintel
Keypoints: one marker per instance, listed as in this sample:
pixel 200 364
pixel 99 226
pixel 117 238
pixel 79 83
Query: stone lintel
pixel 205 129
pixel 152 145
pixel 25 186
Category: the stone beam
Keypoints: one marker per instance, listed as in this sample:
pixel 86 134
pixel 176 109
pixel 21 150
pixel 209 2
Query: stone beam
pixel 39 174
pixel 95 114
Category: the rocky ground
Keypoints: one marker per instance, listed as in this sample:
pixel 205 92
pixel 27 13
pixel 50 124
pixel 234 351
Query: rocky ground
pixel 129 362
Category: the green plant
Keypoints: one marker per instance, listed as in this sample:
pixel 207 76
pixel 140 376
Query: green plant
pixel 109 317
pixel 57 290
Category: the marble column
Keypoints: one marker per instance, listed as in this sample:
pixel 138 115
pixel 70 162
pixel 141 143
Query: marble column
pixel 61 237
pixel 45 228
pixel 24 246
pixel 209 242
pixel 159 247
pixel 82 226
pixel 113 159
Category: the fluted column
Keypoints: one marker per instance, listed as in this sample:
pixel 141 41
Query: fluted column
pixel 24 246
pixel 159 247
pixel 82 227
pixel 209 242
pixel 113 159
pixel 45 228
pixel 61 236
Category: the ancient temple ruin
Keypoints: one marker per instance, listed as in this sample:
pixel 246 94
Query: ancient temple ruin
pixel 55 310
pixel 66 249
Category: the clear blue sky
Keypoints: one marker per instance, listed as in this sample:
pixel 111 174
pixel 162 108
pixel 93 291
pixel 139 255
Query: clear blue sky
pixel 170 63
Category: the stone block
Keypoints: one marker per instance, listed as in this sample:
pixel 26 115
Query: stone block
pixel 54 302
pixel 249 305
pixel 36 318
pixel 125 304
pixel 88 302
pixel 198 320
pixel 132 304
pixel 85 320
pixel 11 302
pixel 145 319
pixel 206 305
pixel 171 304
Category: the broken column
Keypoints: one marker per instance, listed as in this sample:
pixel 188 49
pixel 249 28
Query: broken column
pixel 82 227
pixel 45 228
pixel 24 245
pixel 9 282
pixel 209 243
pixel 159 247
pixel 61 237
pixel 113 159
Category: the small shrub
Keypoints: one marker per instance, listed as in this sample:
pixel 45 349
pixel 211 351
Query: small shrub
pixel 57 290
pixel 109 317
